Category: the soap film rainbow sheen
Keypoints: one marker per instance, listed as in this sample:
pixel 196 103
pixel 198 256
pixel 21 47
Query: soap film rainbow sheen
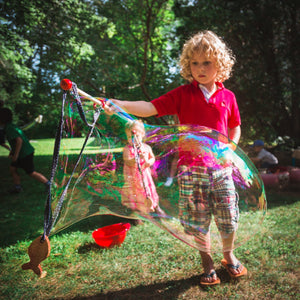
pixel 97 183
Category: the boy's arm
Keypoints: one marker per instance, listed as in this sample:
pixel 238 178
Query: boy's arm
pixel 16 153
pixel 234 134
pixel 137 108
pixel 255 159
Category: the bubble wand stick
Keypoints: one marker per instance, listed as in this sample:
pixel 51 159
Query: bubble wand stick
pixel 67 84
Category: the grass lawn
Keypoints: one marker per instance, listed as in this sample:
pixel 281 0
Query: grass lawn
pixel 150 264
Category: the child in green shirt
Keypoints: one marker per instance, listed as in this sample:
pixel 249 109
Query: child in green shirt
pixel 22 152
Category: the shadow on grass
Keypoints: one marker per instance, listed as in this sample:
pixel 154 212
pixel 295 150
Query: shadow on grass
pixel 163 290
pixel 287 196
pixel 22 215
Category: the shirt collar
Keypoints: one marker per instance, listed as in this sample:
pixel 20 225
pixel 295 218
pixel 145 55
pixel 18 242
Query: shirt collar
pixel 219 84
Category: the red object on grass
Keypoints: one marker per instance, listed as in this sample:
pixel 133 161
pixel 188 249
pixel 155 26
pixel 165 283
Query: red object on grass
pixel 111 235
pixel 295 175
pixel 280 179
pixel 66 84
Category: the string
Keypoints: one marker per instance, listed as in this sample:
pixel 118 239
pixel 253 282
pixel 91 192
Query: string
pixel 58 135
pixel 50 219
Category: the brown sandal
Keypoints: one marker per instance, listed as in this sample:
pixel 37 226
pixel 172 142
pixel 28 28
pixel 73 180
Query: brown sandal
pixel 205 275
pixel 230 266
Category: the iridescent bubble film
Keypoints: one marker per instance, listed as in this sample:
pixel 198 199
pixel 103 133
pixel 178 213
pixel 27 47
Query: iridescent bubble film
pixel 123 171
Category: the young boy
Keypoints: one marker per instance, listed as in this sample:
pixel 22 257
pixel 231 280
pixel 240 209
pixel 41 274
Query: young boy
pixel 205 63
pixel 21 152
pixel 264 158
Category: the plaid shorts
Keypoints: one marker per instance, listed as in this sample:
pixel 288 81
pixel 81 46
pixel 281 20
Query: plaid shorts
pixel 205 192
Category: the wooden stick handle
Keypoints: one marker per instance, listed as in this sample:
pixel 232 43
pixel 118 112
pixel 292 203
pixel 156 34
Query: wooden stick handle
pixel 66 84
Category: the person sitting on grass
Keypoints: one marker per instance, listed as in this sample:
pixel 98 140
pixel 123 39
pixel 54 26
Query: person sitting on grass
pixel 21 153
pixel 263 159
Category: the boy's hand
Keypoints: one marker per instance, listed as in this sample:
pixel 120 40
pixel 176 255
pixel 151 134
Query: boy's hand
pixel 111 106
pixel 232 145
pixel 108 108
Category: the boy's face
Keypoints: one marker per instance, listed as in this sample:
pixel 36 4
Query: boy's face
pixel 203 70
pixel 257 148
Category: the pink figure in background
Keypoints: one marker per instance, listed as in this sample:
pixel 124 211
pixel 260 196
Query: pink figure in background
pixel 139 191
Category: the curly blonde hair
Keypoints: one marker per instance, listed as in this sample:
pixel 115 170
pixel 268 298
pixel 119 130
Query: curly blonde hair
pixel 135 123
pixel 212 46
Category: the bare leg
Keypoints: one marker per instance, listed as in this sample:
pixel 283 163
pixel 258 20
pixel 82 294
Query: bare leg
pixel 228 242
pixel 208 266
pixel 173 166
pixel 173 171
pixel 15 175
pixel 207 261
pixel 39 177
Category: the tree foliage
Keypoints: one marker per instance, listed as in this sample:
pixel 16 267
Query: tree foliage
pixel 128 49
pixel 263 37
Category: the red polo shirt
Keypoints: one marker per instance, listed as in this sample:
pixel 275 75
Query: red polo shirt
pixel 189 104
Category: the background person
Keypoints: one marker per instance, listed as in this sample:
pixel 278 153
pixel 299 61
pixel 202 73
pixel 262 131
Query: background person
pixel 22 152
pixel 139 191
pixel 263 159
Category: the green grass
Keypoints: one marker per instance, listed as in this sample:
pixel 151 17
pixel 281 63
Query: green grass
pixel 150 264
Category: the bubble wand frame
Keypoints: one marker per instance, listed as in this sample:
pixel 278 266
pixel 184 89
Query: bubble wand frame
pixel 39 249
pixel 67 84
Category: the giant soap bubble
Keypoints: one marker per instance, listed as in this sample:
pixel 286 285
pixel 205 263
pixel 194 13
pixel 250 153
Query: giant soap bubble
pixel 96 184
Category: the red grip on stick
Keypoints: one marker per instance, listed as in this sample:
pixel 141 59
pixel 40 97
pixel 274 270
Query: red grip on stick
pixel 66 84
